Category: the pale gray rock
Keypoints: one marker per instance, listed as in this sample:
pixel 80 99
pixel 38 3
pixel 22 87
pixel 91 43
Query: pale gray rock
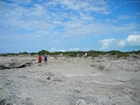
pixel 19 62
pixel 81 81
pixel 4 95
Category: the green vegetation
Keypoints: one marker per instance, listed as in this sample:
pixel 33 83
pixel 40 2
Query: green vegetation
pixel 24 53
pixel 33 53
pixel 43 52
pixel 91 53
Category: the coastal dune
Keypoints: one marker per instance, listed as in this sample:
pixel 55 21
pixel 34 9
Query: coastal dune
pixel 70 81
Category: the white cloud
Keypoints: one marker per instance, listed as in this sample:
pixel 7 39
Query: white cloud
pixel 86 16
pixel 78 29
pixel 106 43
pixel 122 43
pixel 70 49
pixel 54 49
pixel 39 17
pixel 131 40
pixel 124 17
pixel 74 49
pixel 98 6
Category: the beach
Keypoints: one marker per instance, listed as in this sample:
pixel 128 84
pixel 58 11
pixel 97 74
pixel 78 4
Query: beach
pixel 101 80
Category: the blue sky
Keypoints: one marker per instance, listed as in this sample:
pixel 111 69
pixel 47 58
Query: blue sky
pixel 69 25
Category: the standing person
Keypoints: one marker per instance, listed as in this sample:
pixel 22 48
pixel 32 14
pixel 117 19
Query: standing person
pixel 45 58
pixel 86 55
pixel 39 60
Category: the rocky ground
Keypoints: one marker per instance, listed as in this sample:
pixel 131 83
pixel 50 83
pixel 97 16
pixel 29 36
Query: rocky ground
pixel 70 81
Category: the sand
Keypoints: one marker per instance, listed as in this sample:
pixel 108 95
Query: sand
pixel 72 81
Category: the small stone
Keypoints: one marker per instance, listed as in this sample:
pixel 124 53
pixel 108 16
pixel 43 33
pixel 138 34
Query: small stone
pixel 48 78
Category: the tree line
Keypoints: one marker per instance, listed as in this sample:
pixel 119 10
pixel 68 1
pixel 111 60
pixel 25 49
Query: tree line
pixel 91 53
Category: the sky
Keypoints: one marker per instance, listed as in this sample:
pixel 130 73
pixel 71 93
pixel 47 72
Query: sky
pixel 69 25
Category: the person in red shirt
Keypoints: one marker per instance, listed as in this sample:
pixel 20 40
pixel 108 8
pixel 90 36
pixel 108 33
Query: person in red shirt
pixel 39 60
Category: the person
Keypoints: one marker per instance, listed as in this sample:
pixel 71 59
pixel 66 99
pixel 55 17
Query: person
pixel 85 55
pixel 45 58
pixel 39 60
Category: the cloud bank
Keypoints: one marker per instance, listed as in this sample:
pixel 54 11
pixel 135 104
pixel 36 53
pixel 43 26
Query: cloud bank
pixel 130 41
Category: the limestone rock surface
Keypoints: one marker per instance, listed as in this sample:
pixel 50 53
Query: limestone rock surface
pixel 71 81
